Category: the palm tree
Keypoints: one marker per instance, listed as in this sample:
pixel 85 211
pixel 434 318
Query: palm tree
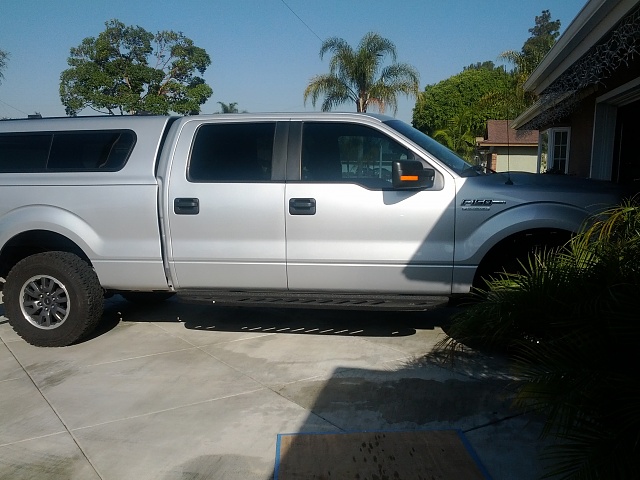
pixel 523 66
pixel 457 135
pixel 359 75
pixel 231 107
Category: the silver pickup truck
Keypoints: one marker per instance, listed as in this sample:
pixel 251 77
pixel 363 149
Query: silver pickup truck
pixel 300 209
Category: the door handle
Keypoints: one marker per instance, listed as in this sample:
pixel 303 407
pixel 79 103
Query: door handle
pixel 186 206
pixel 302 206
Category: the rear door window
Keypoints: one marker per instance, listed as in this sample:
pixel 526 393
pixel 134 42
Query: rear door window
pixel 232 152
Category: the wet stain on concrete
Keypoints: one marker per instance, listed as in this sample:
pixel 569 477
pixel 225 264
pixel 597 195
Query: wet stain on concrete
pixel 50 374
pixel 55 378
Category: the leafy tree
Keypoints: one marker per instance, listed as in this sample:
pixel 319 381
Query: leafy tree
pixel 127 70
pixel 486 91
pixel 488 65
pixel 457 134
pixel 543 36
pixel 461 96
pixel 360 77
pixel 4 56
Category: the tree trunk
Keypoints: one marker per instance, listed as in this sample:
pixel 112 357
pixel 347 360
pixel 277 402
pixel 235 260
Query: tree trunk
pixel 361 105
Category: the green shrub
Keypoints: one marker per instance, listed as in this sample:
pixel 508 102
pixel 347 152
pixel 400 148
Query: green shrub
pixel 572 325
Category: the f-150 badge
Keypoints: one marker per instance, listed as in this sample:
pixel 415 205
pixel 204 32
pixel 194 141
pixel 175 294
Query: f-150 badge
pixel 480 204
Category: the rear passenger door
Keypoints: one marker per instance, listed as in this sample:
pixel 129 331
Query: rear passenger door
pixel 225 197
pixel 348 229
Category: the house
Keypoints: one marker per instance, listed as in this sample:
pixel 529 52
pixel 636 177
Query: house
pixel 588 87
pixel 506 149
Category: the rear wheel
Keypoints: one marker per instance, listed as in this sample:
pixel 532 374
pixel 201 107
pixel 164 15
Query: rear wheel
pixel 53 299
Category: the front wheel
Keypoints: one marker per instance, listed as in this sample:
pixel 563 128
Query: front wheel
pixel 53 299
pixel 512 255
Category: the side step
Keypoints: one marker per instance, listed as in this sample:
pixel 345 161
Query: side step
pixel 313 300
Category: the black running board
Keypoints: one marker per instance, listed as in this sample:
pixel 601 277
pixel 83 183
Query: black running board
pixel 313 300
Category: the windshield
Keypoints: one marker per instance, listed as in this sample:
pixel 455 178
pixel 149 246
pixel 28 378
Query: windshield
pixel 439 151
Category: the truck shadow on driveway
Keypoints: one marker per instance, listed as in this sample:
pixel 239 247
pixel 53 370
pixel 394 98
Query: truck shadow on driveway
pixel 311 321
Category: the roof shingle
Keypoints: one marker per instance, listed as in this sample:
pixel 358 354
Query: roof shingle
pixel 499 133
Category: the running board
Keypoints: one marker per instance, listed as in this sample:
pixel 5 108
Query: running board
pixel 313 300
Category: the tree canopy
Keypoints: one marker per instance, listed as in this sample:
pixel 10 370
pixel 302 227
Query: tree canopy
pixel 4 56
pixel 128 70
pixel 455 110
pixel 360 75
pixel 462 96
pixel 543 37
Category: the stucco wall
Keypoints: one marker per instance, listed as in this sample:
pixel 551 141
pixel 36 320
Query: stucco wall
pixel 518 159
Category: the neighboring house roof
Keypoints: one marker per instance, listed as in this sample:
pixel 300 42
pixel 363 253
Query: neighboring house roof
pixel 499 134
pixel 604 35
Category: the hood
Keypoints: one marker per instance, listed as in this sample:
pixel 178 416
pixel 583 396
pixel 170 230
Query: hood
pixel 550 182
pixel 516 188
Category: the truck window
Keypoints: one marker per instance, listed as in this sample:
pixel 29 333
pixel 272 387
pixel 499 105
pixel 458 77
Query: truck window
pixel 344 152
pixel 65 151
pixel 232 152
pixel 90 150
pixel 24 152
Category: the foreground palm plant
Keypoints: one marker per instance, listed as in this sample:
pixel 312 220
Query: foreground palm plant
pixel 571 323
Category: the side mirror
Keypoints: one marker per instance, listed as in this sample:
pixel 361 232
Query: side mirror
pixel 410 174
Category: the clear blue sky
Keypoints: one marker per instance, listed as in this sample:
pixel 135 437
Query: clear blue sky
pixel 262 54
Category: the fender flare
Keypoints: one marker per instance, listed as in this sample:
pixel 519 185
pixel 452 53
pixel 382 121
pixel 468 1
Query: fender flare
pixel 516 220
pixel 51 219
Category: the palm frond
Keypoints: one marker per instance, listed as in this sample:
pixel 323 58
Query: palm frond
pixel 570 321
pixel 360 75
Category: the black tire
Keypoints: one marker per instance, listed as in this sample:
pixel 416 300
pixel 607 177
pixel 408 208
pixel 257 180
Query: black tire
pixel 510 256
pixel 147 298
pixel 53 299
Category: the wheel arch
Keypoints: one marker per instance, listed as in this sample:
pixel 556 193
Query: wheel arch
pixel 481 247
pixel 31 242
pixel 515 246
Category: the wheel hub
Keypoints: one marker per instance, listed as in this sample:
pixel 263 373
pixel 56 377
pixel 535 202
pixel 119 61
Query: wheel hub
pixel 44 302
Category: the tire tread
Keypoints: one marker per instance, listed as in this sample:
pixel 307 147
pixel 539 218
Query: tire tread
pixel 83 278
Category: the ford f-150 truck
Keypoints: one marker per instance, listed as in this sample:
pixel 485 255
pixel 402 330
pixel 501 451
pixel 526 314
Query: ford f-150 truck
pixel 304 209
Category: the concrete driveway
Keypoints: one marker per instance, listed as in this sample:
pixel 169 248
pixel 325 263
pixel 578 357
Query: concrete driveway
pixel 178 391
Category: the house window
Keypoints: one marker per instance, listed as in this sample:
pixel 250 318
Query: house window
pixel 553 151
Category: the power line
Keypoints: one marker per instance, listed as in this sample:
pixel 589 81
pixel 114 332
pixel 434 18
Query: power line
pixel 11 106
pixel 303 22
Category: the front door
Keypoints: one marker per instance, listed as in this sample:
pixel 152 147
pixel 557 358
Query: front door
pixel 347 229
